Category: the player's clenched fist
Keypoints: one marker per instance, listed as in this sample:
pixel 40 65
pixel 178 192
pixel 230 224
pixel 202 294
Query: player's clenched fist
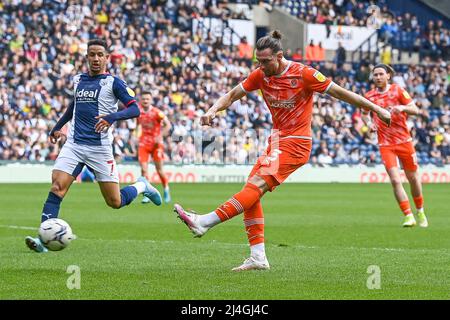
pixel 384 116
pixel 56 135
pixel 206 119
pixel 102 124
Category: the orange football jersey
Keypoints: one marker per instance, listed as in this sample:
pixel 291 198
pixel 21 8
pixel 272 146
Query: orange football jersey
pixel 398 132
pixel 150 122
pixel 289 96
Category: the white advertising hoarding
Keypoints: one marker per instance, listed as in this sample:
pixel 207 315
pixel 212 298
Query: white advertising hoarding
pixel 41 173
pixel 350 37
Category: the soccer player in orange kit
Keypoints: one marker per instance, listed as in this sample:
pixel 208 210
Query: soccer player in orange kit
pixel 288 89
pixel 395 142
pixel 151 141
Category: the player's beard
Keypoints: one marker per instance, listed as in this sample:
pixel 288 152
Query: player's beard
pixel 96 69
pixel 268 73
pixel 381 85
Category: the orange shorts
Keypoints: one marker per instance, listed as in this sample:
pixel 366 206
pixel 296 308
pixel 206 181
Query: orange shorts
pixel 404 152
pixel 156 150
pixel 281 159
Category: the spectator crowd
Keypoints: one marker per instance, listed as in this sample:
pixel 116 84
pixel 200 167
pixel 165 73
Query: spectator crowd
pixel 43 43
pixel 400 31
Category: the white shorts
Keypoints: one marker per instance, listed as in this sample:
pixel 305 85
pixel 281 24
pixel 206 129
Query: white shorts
pixel 99 159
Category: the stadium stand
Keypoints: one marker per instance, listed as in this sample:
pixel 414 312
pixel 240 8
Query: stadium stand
pixel 153 47
pixel 400 30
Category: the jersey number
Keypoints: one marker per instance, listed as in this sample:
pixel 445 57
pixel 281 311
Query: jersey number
pixel 111 162
pixel 272 157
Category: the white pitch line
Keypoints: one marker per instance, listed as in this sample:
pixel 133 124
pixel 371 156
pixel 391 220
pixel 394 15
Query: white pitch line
pixel 236 244
pixel 17 227
pixel 167 241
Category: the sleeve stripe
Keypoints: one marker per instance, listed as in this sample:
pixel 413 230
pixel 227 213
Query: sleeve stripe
pixel 130 102
pixel 242 87
pixel 328 87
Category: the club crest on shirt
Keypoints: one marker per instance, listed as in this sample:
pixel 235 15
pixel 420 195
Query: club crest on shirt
pixel 294 83
pixel 319 76
pixel 76 80
pixel 103 82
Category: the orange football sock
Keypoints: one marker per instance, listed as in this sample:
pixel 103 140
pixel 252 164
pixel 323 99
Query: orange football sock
pixel 405 207
pixel 240 202
pixel 164 181
pixel 254 224
pixel 418 201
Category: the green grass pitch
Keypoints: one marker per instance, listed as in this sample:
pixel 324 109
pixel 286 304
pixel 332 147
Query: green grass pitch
pixel 320 241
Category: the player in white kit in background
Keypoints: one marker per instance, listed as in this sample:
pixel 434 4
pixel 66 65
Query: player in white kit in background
pixel 89 142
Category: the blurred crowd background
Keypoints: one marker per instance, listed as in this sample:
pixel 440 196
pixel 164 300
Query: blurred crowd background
pixel 43 43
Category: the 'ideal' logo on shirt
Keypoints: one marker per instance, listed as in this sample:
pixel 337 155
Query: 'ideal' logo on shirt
pixel 87 94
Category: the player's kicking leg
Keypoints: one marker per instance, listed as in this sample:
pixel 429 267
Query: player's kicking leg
pixel 244 201
pixel 279 161
pixel 61 182
pixel 200 224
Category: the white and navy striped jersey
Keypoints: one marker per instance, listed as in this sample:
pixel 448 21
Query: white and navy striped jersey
pixel 93 96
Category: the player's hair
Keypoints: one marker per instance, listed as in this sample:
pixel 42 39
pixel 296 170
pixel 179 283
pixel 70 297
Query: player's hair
pixel 272 41
pixel 386 67
pixel 97 42
pixel 144 92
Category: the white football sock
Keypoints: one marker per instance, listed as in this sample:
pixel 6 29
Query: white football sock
pixel 258 251
pixel 420 210
pixel 140 186
pixel 210 219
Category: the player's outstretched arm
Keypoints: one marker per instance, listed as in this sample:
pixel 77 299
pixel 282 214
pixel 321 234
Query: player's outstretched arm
pixel 222 103
pixel 55 133
pixel 352 98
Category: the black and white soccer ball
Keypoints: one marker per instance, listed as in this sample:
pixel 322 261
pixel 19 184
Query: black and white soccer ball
pixel 55 234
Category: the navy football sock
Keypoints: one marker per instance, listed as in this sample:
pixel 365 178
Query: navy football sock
pixel 51 207
pixel 127 195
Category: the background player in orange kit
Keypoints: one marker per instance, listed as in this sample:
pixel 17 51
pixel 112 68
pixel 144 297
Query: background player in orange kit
pixel 288 89
pixel 151 141
pixel 395 142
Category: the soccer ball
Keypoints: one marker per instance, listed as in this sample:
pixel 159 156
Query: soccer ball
pixel 55 234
